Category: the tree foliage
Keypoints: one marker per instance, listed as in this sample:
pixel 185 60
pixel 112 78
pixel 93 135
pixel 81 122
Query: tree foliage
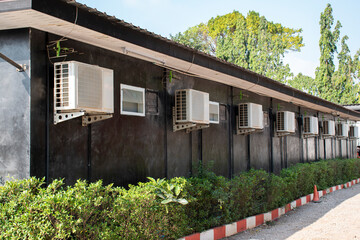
pixel 327 44
pixel 259 45
pixel 346 90
pixel 251 42
pixel 304 83
pixel 336 85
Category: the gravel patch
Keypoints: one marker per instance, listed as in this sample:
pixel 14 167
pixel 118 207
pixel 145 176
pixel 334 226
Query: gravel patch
pixel 336 217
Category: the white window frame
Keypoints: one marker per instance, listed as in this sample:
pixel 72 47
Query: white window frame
pixel 132 88
pixel 218 112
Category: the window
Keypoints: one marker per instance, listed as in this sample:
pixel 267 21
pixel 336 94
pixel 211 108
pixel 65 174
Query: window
pixel 132 101
pixel 214 112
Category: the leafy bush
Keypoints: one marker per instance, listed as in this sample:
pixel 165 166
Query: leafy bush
pixel 86 211
pixel 208 196
pixel 158 209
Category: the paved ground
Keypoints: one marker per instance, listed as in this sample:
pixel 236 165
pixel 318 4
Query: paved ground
pixel 337 217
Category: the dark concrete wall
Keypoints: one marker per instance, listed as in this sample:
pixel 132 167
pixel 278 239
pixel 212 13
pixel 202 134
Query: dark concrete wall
pixel 344 148
pixel 215 139
pixel 338 148
pixel 127 149
pixel 39 104
pixel 121 150
pixel 353 144
pixel 253 150
pixel 311 143
pixel 311 149
pixel 210 145
pixel 330 150
pixel 321 149
pixel 14 106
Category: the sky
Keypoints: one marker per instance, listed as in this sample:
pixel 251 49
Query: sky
pixel 165 17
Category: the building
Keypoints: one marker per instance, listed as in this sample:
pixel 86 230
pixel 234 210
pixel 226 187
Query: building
pixel 146 70
pixel 355 107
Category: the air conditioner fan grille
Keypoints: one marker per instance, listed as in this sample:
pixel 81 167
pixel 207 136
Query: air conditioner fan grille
pixel 326 127
pixel 180 106
pixel 243 115
pixel 306 125
pixel 280 121
pixel 352 131
pixel 61 87
pixel 339 130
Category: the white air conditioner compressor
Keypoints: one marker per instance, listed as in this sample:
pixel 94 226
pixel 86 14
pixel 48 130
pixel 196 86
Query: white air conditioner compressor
pixel 191 106
pixel 342 130
pixel 285 122
pixel 81 89
pixel 251 116
pixel 354 132
pixel 328 128
pixel 311 126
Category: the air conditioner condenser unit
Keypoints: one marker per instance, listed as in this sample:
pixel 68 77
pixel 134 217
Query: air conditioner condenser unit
pixel 328 128
pixel 354 132
pixel 83 87
pixel 311 126
pixel 251 116
pixel 191 106
pixel 285 122
pixel 342 130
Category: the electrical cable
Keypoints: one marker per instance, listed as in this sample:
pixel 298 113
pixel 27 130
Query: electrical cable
pixel 63 37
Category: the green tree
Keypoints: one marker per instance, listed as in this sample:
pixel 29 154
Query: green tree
pixel 339 85
pixel 327 44
pixel 197 38
pixel 251 42
pixel 304 83
pixel 356 65
pixel 346 90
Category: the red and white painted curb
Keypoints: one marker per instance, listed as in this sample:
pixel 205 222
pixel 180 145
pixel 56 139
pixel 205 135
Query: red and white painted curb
pixel 254 221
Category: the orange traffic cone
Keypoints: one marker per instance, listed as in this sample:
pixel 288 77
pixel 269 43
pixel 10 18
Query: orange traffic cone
pixel 316 195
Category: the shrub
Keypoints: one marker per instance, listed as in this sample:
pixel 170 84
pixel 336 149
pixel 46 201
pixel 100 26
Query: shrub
pixel 158 209
pixel 86 211
pixel 208 196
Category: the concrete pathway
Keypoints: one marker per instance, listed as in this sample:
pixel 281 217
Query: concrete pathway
pixel 336 217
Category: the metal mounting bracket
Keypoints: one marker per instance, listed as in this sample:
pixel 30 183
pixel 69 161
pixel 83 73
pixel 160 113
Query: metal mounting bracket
pixel 197 127
pixel 327 137
pixel 241 131
pixel 244 131
pixel 178 127
pixel 341 137
pixel 19 68
pixel 309 136
pixel 188 126
pixel 277 134
pixel 61 117
pixel 88 119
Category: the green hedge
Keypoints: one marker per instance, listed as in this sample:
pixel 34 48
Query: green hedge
pixel 158 209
